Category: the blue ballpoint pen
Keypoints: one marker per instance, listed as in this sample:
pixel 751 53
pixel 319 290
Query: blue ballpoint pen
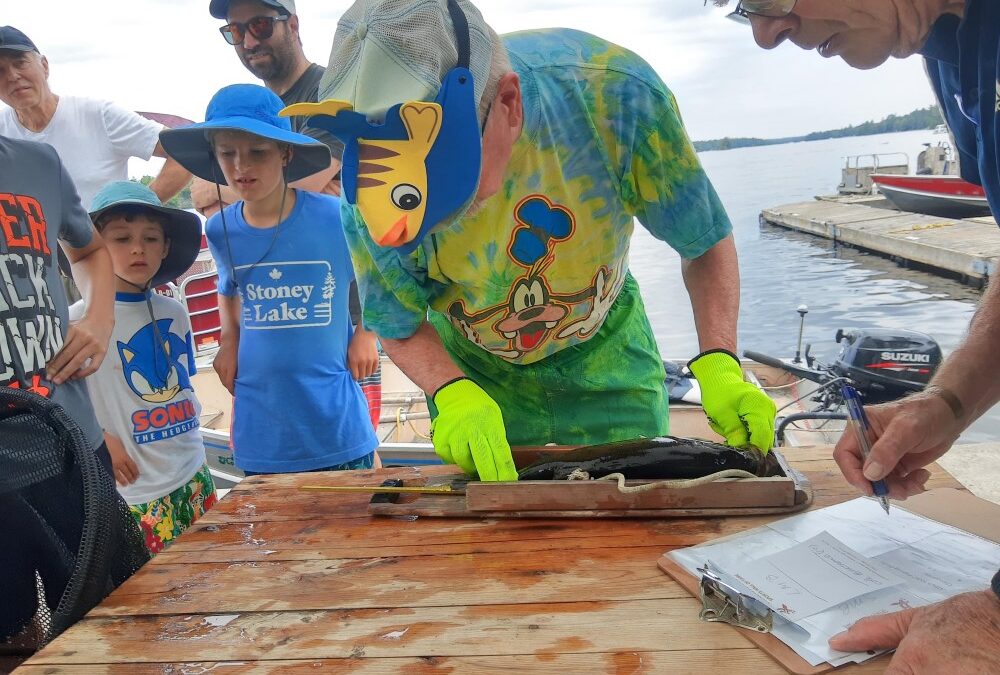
pixel 860 423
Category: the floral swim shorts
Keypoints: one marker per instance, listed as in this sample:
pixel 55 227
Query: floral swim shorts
pixel 162 520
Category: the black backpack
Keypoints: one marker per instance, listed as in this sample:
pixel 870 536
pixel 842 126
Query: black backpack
pixel 67 538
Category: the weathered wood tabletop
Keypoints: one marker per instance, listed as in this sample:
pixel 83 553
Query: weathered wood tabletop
pixel 276 578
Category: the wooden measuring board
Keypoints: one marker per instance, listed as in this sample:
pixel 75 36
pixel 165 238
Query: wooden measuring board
pixel 599 498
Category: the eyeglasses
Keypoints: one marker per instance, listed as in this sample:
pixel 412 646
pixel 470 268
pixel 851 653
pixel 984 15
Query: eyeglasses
pixel 261 27
pixel 770 8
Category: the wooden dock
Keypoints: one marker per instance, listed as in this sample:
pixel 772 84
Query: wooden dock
pixel 968 249
pixel 277 579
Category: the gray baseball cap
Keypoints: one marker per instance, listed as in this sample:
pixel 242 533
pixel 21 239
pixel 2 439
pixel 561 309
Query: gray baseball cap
pixel 390 51
pixel 220 8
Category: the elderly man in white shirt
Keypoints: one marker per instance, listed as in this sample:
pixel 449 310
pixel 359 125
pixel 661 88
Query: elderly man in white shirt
pixel 94 138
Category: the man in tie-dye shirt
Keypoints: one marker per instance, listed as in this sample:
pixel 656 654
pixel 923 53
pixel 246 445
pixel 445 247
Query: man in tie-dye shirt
pixel 517 312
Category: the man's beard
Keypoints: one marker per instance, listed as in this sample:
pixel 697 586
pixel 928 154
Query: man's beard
pixel 274 69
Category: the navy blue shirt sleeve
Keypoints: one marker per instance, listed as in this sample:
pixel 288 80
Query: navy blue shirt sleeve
pixel 941 54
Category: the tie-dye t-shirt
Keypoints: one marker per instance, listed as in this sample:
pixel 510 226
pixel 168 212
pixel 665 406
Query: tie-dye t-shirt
pixel 538 266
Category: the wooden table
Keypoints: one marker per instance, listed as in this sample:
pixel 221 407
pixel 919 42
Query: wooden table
pixel 274 577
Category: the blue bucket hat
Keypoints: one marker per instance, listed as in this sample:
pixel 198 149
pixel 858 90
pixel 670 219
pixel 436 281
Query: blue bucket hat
pixel 183 228
pixel 249 108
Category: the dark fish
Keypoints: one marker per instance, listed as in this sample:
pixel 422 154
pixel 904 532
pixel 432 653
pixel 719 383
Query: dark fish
pixel 666 457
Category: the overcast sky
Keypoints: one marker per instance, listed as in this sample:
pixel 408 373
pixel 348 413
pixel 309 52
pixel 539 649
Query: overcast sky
pixel 168 56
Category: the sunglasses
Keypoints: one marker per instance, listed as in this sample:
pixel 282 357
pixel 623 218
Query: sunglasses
pixel 770 8
pixel 261 27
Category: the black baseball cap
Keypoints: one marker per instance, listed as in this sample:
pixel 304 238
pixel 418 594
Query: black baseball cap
pixel 220 8
pixel 14 40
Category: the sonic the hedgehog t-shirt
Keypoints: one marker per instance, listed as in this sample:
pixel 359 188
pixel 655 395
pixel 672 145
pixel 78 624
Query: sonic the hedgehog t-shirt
pixel 142 394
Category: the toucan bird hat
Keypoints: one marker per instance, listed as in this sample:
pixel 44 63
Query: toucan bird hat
pixel 252 109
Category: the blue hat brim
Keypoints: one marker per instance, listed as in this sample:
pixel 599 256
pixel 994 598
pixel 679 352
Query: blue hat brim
pixel 190 147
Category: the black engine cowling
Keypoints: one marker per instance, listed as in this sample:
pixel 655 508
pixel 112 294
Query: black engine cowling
pixel 886 364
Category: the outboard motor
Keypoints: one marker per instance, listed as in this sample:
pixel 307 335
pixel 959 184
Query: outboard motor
pixel 886 364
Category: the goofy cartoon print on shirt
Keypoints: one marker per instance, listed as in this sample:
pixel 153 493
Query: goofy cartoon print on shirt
pixel 532 311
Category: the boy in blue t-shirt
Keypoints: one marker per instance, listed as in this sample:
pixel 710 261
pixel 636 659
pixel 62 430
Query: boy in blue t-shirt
pixel 284 274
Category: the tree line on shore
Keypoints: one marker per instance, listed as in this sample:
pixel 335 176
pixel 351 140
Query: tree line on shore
pixel 923 118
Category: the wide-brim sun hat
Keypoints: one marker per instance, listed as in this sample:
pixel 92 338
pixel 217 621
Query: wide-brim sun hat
pixel 182 228
pixel 248 108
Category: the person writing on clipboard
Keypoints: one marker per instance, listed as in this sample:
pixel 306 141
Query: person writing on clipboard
pixel 962 634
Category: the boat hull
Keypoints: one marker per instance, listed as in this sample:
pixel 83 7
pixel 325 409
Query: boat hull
pixel 944 196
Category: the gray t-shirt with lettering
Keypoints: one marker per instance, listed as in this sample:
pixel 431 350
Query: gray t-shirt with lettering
pixel 38 206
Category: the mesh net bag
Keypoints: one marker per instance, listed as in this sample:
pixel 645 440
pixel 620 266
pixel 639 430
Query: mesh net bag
pixel 419 36
pixel 67 538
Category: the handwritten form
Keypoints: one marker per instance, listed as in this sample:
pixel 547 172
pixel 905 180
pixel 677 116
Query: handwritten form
pixel 823 570
pixel 813 576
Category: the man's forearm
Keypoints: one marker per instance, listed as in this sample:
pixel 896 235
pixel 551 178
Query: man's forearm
pixel 968 371
pixel 95 278
pixel 171 180
pixel 423 358
pixel 713 283
pixel 321 181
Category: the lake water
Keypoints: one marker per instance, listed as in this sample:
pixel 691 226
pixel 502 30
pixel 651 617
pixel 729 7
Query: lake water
pixel 781 269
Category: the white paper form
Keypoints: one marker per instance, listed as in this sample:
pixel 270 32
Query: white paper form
pixel 934 561
pixel 945 564
pixel 813 576
pixel 860 524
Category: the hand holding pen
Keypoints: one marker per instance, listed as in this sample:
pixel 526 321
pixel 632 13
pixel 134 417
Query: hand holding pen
pixel 862 429
pixel 905 437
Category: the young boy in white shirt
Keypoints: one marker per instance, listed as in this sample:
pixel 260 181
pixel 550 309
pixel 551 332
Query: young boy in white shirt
pixel 142 393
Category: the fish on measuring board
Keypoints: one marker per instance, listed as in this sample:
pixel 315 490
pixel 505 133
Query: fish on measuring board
pixel 663 458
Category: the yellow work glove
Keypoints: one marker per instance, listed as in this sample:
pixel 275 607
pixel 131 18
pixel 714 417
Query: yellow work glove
pixel 468 431
pixel 736 409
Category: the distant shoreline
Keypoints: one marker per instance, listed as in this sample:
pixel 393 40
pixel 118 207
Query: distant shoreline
pixel 923 118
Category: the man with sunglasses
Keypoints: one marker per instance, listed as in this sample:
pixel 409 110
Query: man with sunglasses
pixel 265 34
pixel 960 42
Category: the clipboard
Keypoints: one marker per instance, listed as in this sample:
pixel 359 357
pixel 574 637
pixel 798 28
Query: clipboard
pixel 948 506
